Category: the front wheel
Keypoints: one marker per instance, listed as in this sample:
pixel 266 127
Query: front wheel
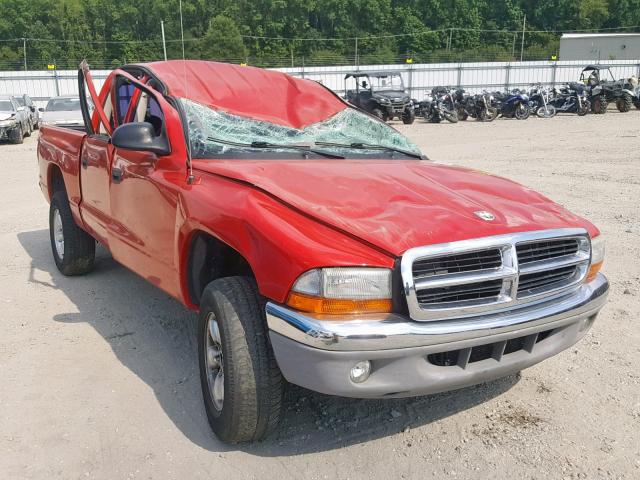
pixel 74 250
pixel 241 383
pixel 462 114
pixel 450 116
pixel 547 111
pixel 16 136
pixel 408 116
pixel 584 108
pixel 599 105
pixel 522 112
pixel 379 113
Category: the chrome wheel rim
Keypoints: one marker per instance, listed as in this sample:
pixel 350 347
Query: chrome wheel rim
pixel 214 363
pixel 58 234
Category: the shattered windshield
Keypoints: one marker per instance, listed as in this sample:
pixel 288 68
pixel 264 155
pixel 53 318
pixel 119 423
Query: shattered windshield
pixel 353 134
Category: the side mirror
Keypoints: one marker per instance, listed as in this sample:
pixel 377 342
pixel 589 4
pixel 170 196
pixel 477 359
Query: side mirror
pixel 32 108
pixel 140 136
pixel 41 109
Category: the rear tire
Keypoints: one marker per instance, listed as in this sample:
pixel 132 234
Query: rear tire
pixel 27 133
pixel 624 103
pixel 74 250
pixel 243 405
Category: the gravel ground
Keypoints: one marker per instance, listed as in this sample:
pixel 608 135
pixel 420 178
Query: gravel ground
pixel 98 374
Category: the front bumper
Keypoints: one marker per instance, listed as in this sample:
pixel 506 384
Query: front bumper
pixel 406 356
pixel 5 131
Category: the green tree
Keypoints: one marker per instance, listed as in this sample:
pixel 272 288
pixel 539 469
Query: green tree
pixel 222 41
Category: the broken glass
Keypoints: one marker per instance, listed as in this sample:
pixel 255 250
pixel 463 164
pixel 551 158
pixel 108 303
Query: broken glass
pixel 349 126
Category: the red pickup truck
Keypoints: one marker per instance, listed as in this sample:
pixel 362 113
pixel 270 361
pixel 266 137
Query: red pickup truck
pixel 318 244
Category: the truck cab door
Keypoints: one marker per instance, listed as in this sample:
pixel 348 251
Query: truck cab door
pixel 95 157
pixel 145 187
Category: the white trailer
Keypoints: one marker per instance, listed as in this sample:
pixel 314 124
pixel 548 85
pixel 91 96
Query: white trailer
pixel 600 46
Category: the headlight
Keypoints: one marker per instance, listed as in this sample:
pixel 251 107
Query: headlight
pixel 597 256
pixel 342 290
pixel 7 123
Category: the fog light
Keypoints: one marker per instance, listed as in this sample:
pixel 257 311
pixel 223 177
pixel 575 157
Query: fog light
pixel 360 372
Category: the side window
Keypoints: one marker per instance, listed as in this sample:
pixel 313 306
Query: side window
pixel 125 95
pixel 145 108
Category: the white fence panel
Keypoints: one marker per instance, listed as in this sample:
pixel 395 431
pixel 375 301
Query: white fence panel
pixel 418 78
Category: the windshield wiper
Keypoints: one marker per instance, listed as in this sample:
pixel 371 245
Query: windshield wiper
pixel 302 148
pixel 366 146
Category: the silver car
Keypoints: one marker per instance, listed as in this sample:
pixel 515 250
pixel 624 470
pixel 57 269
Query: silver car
pixel 31 109
pixel 14 120
pixel 63 111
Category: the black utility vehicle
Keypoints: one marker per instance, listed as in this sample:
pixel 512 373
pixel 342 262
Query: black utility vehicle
pixel 603 89
pixel 380 93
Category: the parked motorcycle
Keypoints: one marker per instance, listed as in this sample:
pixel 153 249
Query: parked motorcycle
pixel 513 105
pixel 480 106
pixel 571 98
pixel 539 102
pixel 439 106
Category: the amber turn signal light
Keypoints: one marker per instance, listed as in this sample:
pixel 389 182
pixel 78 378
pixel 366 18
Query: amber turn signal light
pixel 331 306
pixel 593 271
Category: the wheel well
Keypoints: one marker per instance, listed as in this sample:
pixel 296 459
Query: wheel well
pixel 56 181
pixel 209 259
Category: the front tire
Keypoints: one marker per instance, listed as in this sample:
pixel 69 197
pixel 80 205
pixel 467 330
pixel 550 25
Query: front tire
pixel 599 105
pixel 241 382
pixel 408 116
pixel 17 135
pixel 522 112
pixel 450 116
pixel 548 111
pixel 74 250
pixel 379 113
pixel 584 108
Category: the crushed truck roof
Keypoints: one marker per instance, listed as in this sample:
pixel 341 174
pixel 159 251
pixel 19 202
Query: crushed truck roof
pixel 249 91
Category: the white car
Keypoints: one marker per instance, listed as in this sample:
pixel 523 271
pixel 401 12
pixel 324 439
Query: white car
pixel 64 110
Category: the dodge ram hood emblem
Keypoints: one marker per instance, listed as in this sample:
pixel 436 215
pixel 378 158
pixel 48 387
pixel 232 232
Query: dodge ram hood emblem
pixel 484 215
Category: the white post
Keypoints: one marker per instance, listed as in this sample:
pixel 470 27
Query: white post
pixel 164 43
pixel 24 51
pixel 524 26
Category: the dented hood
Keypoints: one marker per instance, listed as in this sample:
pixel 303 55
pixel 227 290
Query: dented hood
pixel 396 205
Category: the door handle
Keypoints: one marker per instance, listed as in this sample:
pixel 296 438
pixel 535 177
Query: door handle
pixel 116 175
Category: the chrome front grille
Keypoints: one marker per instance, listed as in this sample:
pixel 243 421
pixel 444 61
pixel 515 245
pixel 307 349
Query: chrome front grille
pixel 473 277
pixel 542 250
pixel 463 262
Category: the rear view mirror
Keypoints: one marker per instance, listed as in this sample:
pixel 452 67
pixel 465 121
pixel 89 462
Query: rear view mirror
pixel 140 136
pixel 41 109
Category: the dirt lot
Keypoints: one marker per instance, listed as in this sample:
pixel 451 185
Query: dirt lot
pixel 98 374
